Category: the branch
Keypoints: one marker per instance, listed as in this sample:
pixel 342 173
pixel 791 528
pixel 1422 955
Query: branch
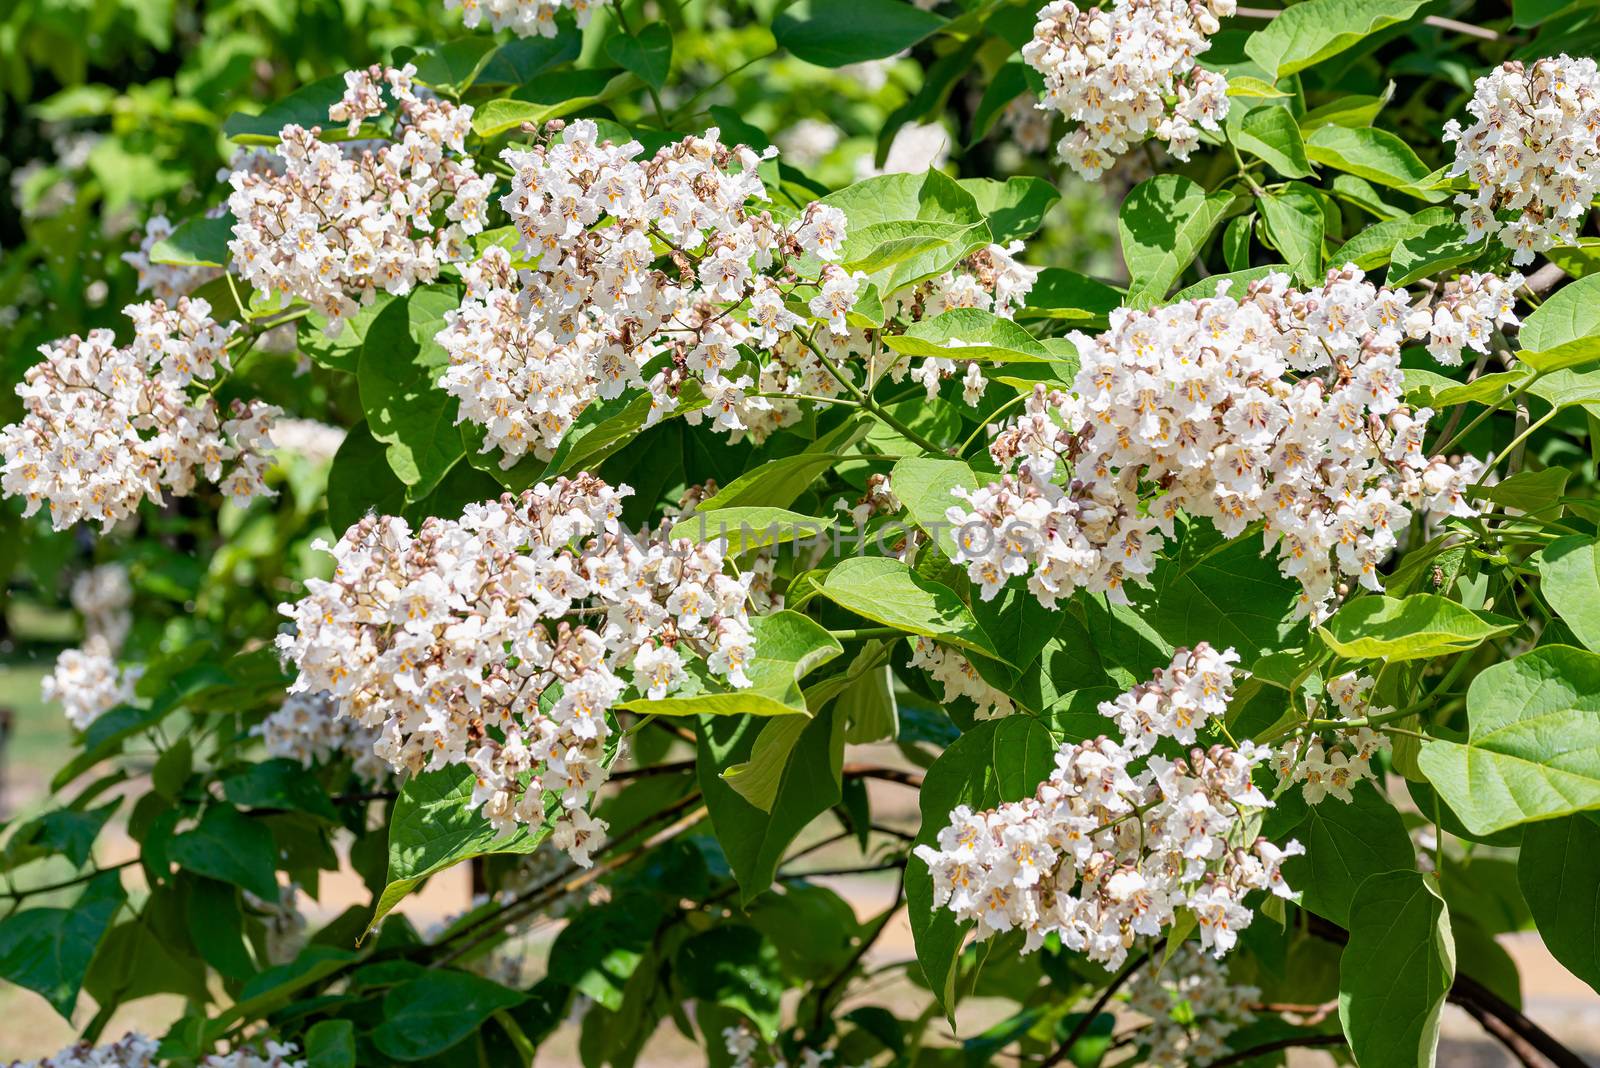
pixel 828 991
pixel 872 771
pixel 1086 1021
pixel 1544 279
pixel 1482 33
pixel 1298 1042
pixel 1472 995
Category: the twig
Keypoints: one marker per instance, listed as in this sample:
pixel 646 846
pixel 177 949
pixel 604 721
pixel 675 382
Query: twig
pixel 1086 1021
pixel 1298 1042
pixel 66 884
pixel 872 771
pixel 828 991
pixel 1483 33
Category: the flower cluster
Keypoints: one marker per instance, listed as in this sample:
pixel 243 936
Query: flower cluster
pixel 335 227
pixel 103 596
pixel 455 641
pixel 164 281
pixel 958 678
pixel 746 1050
pixel 308 728
pixel 88 683
pixel 530 349
pixel 1104 853
pixel 1332 763
pixel 1534 151
pixel 1193 1007
pixel 1464 313
pixel 107 426
pixel 134 1050
pixel 316 443
pixel 283 923
pixel 1283 408
pixel 992 280
pixel 525 18
pixel 1126 72
pixel 86 680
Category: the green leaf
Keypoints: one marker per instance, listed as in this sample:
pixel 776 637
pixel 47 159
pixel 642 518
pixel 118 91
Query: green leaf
pixel 279 784
pixel 1254 88
pixel 888 591
pixel 868 705
pixel 65 832
pixel 924 485
pixel 454 65
pixel 1436 249
pixel 1229 594
pixel 969 334
pixel 1568 354
pixel 932 196
pixel 649 54
pixel 1295 223
pixel 1372 247
pixel 231 847
pixel 48 950
pixel 1008 83
pixel 434 827
pixel 743 528
pixel 1237 282
pixel 1013 208
pixel 755 840
pixel 757 779
pixel 1395 971
pixel 1437 391
pixel 1270 133
pixel 777 483
pixel 1345 845
pixel 1164 223
pixel 1533 751
pixel 1310 32
pixel 1569 314
pixel 998 760
pixel 406 408
pixel 1354 110
pixel 200 242
pixel 1528 491
pixel 1419 627
pixel 428 1015
pixel 1558 869
pixel 361 480
pixel 331 1044
pixel 902 253
pixel 1062 294
pixel 788 647
pixel 524 59
pixel 307 107
pixel 836 33
pixel 1569 578
pixel 734 966
pixel 1367 152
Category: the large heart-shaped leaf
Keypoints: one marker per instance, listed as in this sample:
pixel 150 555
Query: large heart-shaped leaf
pixel 1533 751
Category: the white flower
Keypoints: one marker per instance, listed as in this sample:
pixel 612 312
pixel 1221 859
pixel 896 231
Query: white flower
pixel 1100 854
pixel 1127 72
pixel 1283 408
pixel 525 18
pixel 453 644
pixel 1533 150
pixel 88 683
pixel 107 427
pixel 338 224
pixel 959 678
pixel 531 348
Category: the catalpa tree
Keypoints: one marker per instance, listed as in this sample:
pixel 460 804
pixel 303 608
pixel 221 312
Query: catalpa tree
pixel 1108 489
